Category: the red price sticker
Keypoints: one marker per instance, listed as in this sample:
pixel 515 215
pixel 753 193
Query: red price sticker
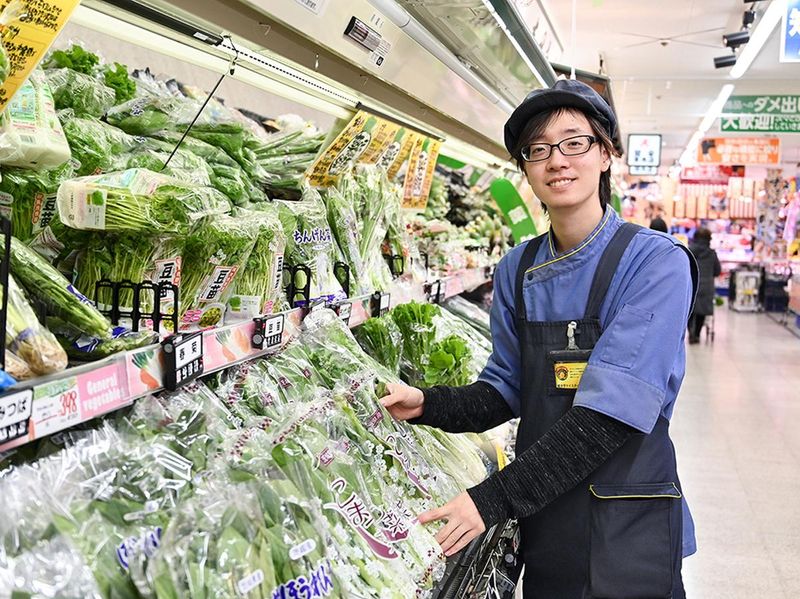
pixel 55 406
pixel 69 403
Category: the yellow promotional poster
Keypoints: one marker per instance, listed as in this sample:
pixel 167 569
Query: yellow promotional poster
pixel 345 150
pixel 29 36
pixel 569 374
pixel 419 175
pixel 383 140
pixel 407 143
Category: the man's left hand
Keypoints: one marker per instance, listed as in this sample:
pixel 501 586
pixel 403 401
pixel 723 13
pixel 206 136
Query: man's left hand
pixel 464 523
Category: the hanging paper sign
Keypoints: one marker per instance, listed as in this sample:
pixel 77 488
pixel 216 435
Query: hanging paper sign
pixel 408 143
pixel 739 150
pixel 384 139
pixel 419 175
pixel 27 38
pixel 644 149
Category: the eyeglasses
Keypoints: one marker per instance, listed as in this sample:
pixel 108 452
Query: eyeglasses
pixel 572 146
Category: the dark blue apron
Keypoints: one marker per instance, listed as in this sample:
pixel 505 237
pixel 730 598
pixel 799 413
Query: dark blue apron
pixel 617 534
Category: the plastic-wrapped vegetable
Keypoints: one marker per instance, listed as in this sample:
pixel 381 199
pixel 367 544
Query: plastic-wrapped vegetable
pixel 30 133
pixel 96 145
pixel 416 323
pixel 381 339
pixel 88 349
pixel 117 78
pixel 150 114
pixel 258 288
pixel 136 200
pixel 471 313
pixel 183 165
pixel 26 337
pixel 31 195
pixel 215 251
pixel 309 242
pixel 45 283
pixel 75 58
pixel 345 226
pixel 17 367
pixel 84 94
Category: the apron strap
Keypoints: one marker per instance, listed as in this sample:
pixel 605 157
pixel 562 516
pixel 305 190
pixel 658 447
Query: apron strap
pixel 607 267
pixel 528 256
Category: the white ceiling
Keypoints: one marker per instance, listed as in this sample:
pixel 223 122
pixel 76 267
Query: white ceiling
pixel 666 85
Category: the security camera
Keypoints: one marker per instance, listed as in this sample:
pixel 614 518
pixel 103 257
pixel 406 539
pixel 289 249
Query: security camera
pixel 734 40
pixel 748 18
pixel 720 62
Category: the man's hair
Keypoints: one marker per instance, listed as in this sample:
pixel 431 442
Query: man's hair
pixel 702 234
pixel 536 127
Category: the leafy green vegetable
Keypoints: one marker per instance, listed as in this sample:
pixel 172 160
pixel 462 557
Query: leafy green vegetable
pixel 149 114
pixel 416 323
pixel 381 338
pixel 45 283
pixel 98 146
pixel 85 94
pixel 75 58
pixel 117 78
pixel 448 363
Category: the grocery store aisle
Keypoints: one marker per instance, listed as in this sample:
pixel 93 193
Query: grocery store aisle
pixel 737 433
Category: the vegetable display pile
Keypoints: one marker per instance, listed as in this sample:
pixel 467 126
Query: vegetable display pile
pixel 282 477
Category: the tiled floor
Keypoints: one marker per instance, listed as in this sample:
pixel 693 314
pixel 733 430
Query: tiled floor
pixel 737 433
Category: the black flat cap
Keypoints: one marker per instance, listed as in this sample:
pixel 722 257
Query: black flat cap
pixel 565 93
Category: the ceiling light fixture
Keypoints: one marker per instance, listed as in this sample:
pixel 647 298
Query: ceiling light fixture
pixel 760 35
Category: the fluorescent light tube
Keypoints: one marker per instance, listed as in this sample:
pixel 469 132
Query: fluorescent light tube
pixel 771 18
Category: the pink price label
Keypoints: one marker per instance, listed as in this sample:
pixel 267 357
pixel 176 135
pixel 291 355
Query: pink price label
pixel 102 390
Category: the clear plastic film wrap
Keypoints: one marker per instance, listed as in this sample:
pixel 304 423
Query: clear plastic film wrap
pixel 309 242
pixel 136 200
pixel 31 135
pixel 85 94
pixel 27 338
pixel 471 313
pixel 382 340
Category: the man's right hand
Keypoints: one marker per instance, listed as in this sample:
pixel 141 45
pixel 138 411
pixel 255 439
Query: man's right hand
pixel 403 402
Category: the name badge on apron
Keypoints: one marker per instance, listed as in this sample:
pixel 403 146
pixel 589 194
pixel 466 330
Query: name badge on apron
pixel 569 364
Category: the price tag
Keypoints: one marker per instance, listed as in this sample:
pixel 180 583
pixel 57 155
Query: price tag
pixel 15 413
pixel 183 355
pixel 380 303
pixel 438 291
pixel 56 406
pixel 344 310
pixel 269 331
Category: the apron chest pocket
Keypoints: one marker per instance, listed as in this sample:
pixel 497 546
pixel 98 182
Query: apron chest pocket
pixel 635 540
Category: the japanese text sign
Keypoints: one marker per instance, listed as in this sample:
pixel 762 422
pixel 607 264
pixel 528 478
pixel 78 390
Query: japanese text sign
pixel 739 150
pixel 644 149
pixel 419 175
pixel 763 104
pixel 790 32
pixel 760 123
pixel 28 38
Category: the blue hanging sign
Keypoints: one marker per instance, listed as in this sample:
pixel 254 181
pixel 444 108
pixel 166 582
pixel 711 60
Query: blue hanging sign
pixel 790 32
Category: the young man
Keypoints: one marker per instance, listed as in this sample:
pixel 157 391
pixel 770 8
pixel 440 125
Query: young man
pixel 587 325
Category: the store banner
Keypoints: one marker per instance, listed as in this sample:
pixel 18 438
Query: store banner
pixel 513 207
pixel 760 123
pixel 366 139
pixel 419 175
pixel 709 174
pixel 739 150
pixel 790 32
pixel 27 38
pixel 788 104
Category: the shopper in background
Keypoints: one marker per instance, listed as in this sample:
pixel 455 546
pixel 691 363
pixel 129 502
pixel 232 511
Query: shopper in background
pixel 588 323
pixel 658 224
pixel 710 268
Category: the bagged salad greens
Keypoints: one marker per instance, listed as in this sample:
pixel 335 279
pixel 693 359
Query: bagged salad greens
pixel 382 340
pixel 45 283
pixel 27 338
pixel 136 200
pixel 85 94
pixel 96 145
pixel 30 133
pixel 309 242
pixel 216 249
pixel 150 114
pixel 258 287
pixel 31 197
pixel 471 313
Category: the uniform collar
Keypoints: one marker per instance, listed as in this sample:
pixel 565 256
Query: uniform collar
pixel 549 264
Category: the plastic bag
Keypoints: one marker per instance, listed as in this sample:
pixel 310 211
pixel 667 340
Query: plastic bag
pixel 310 243
pixel 27 338
pixel 258 288
pixel 85 94
pixel 382 340
pixel 30 133
pixel 96 145
pixel 216 249
pixel 136 200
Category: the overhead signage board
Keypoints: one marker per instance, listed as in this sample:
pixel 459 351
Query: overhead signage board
pixel 644 149
pixel 788 104
pixel 760 123
pixel 516 213
pixel 739 150
pixel 710 174
pixel 642 170
pixel 790 32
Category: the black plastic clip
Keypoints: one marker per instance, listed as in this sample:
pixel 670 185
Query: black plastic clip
pixel 397 264
pixel 379 303
pixel 183 358
pixel 298 295
pixel 342 273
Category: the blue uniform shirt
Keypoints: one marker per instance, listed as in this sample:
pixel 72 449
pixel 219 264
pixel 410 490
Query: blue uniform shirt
pixel 638 364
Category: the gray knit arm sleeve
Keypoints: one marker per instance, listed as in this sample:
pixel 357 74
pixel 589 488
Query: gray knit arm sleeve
pixel 473 408
pixel 574 447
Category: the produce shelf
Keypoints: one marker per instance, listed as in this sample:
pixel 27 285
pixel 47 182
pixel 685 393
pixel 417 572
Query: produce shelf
pixel 46 405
